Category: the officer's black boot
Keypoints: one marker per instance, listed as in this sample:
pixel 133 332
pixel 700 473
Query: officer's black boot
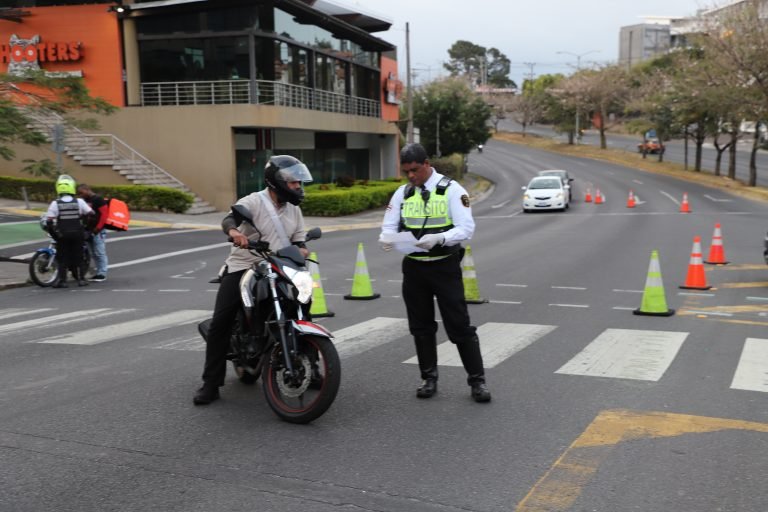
pixel 61 281
pixel 426 353
pixel 472 360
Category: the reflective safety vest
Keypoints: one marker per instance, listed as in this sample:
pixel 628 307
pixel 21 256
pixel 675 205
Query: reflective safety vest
pixel 68 223
pixel 427 213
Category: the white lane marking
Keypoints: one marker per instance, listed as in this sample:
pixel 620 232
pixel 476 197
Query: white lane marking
pixel 752 370
pixel 15 223
pixel 513 285
pixel 11 312
pixel 568 288
pixel 169 255
pixel 620 308
pixel 62 319
pixel 692 294
pixel 127 290
pixel 352 279
pixel 99 335
pixel 363 336
pixel 150 235
pixel 498 342
pixel 40 383
pixel 757 298
pixel 627 291
pixel 638 201
pixel 672 198
pixel 179 276
pixel 717 200
pixel 503 302
pixel 394 280
pixel 173 291
pixel 500 204
pixel 627 354
pixel 637 181
pixel 570 305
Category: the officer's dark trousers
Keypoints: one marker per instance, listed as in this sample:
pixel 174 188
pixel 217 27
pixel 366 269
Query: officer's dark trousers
pixel 69 253
pixel 224 315
pixel 424 280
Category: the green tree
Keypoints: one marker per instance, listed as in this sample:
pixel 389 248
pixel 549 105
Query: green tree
pixel 472 61
pixel 22 97
pixel 449 112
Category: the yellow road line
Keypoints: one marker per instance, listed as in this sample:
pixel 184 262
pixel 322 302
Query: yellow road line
pixel 562 484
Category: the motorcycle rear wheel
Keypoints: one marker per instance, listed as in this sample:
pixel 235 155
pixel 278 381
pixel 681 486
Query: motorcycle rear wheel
pixel 43 269
pixel 307 397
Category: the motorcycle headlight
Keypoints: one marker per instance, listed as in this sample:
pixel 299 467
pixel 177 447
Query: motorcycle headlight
pixel 302 280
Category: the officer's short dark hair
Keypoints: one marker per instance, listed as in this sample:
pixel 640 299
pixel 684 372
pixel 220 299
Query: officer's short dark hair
pixel 413 153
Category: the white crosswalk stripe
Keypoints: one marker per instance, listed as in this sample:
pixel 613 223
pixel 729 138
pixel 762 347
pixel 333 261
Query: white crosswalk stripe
pixel 363 336
pixel 61 319
pixel 99 335
pixel 498 342
pixel 11 312
pixel 627 354
pixel 752 370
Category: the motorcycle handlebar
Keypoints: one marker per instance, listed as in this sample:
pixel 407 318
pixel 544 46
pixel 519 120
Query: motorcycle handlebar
pixel 256 245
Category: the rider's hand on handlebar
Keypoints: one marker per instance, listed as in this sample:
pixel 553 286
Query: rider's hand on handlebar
pixel 238 239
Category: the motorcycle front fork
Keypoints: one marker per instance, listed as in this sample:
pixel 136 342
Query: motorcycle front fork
pixel 287 340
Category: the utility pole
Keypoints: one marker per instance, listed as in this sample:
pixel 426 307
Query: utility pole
pixel 578 68
pixel 530 67
pixel 408 93
pixel 437 141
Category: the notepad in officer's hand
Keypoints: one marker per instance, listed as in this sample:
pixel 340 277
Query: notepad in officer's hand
pixel 404 241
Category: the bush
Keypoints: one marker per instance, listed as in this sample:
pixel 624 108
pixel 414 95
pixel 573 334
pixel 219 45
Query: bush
pixel 452 166
pixel 138 197
pixel 332 200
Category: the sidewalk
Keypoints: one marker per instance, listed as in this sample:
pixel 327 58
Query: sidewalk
pixel 14 274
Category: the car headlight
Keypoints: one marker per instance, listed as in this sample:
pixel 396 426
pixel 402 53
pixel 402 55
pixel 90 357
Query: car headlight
pixel 526 196
pixel 559 195
pixel 302 280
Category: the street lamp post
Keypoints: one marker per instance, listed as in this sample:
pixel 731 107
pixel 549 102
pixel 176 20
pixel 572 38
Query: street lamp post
pixel 578 68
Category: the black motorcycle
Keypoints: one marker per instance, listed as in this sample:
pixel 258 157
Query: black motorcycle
pixel 273 338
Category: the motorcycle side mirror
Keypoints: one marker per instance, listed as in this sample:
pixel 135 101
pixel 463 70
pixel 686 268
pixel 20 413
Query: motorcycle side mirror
pixel 241 214
pixel 524 188
pixel 314 234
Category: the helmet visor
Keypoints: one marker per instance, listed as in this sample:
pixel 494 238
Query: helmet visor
pixel 296 172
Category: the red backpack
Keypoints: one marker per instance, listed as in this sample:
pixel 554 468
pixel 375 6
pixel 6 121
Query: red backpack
pixel 118 215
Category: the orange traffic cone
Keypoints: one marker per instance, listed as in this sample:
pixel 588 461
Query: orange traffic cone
pixel 684 206
pixel 631 200
pixel 696 280
pixel 588 197
pixel 598 197
pixel 716 251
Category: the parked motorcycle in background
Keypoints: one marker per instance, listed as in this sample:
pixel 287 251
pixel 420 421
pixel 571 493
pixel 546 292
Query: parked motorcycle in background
pixel 272 337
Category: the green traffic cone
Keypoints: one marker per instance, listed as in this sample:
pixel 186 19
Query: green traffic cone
pixel 654 301
pixel 469 277
pixel 318 307
pixel 361 284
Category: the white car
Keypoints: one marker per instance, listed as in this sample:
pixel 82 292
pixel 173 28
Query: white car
pixel 545 193
pixel 567 180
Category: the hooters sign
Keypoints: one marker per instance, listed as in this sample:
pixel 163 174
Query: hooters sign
pixel 23 55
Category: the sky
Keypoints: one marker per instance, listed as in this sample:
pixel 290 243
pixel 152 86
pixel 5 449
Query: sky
pixel 529 33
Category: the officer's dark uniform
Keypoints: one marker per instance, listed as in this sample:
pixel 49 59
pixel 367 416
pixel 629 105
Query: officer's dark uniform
pixel 440 206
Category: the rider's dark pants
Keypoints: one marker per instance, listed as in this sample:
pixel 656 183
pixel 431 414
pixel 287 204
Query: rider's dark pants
pixel 224 316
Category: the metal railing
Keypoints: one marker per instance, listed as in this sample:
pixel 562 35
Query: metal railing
pixel 86 144
pixel 260 92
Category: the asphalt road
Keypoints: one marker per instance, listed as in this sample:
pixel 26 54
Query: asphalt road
pixel 593 408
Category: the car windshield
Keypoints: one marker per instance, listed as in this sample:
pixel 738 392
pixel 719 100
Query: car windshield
pixel 535 184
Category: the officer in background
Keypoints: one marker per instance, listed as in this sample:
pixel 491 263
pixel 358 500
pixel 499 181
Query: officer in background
pixel 64 220
pixel 436 210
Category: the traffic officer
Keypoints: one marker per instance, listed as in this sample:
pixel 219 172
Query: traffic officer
pixel 436 210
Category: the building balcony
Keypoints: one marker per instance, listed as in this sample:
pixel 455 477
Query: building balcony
pixel 258 92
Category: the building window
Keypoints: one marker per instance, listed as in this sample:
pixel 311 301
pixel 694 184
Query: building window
pixel 181 60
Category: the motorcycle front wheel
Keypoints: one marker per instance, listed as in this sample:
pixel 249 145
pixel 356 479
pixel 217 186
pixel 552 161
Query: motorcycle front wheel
pixel 43 269
pixel 307 394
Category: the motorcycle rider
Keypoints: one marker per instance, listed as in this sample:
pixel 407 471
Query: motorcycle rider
pixel 68 214
pixel 284 176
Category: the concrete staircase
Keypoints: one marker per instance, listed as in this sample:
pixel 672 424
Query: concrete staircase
pixel 106 149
